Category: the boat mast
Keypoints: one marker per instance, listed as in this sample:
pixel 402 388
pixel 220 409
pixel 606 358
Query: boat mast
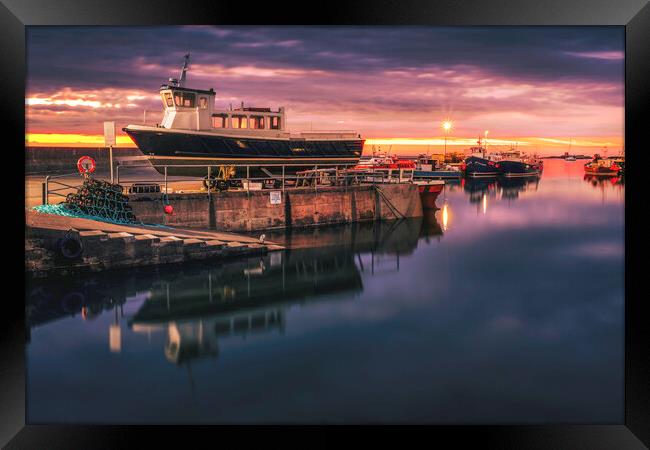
pixel 186 66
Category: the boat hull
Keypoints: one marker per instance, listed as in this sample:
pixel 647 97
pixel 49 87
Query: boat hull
pixel 512 169
pixel 202 149
pixel 437 174
pixel 429 193
pixel 480 167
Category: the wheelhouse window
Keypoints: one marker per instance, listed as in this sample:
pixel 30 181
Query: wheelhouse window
pixel 203 102
pixel 256 122
pixel 219 121
pixel 239 122
pixel 168 100
pixel 185 99
pixel 275 122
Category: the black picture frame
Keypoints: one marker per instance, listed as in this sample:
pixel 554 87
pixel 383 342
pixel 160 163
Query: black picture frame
pixel 634 15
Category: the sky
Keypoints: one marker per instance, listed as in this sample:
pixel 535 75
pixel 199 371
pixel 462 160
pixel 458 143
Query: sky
pixel 542 88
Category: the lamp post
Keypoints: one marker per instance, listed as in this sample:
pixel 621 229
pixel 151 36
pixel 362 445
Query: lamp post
pixel 446 125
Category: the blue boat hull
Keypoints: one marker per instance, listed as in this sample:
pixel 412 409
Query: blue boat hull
pixel 480 167
pixel 518 169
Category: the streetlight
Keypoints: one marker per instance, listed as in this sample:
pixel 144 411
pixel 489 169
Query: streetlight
pixel 446 125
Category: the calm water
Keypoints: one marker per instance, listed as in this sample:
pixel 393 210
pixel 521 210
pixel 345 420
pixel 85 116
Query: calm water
pixel 504 306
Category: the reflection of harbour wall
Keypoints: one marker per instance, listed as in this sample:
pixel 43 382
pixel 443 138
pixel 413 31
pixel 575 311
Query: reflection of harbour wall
pixel 247 211
pixel 380 237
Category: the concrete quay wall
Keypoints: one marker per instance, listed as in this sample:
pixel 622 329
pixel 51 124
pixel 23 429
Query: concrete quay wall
pixel 239 211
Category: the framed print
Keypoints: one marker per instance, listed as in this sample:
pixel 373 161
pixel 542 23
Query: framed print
pixel 382 214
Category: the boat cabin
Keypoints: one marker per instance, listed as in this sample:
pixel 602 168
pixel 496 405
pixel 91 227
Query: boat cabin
pixel 193 109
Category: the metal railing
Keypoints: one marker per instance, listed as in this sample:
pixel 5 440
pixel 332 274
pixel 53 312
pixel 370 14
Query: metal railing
pixel 289 177
pixel 51 180
pixel 311 176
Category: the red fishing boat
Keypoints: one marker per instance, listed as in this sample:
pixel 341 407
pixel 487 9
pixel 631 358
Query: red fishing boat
pixel 604 167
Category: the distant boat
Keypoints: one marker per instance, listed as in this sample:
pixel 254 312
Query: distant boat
pixel 426 169
pixel 515 164
pixel 604 167
pixel 567 156
pixel 480 163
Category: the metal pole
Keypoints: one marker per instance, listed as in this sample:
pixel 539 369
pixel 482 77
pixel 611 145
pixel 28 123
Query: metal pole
pixel 283 178
pixel 209 181
pixel 166 189
pixel 46 188
pixel 445 157
pixel 117 174
pixel 248 180
pixel 110 159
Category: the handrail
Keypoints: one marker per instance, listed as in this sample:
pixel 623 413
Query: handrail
pixel 314 174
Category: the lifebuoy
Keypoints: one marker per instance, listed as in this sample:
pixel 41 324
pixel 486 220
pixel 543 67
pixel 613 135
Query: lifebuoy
pixel 86 164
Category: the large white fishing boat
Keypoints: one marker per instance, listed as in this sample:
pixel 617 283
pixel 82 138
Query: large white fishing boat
pixel 194 132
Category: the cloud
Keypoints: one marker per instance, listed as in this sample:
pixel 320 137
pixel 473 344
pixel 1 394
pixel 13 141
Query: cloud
pixel 383 81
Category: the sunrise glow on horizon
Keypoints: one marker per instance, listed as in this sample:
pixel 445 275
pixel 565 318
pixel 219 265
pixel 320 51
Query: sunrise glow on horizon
pixel 544 88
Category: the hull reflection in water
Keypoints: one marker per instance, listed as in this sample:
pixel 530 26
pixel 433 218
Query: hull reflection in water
pixel 479 190
pixel 241 299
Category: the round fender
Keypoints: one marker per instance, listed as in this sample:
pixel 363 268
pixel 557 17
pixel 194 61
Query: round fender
pixel 70 247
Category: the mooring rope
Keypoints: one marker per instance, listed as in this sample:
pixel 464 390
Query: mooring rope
pixel 392 207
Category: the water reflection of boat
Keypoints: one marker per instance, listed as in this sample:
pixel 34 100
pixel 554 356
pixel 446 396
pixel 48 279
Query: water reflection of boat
pixel 511 187
pixel 241 299
pixel 478 187
pixel 195 304
pixel 508 188
pixel 603 180
pixel 430 225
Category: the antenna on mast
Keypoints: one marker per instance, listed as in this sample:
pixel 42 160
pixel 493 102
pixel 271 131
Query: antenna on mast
pixel 186 66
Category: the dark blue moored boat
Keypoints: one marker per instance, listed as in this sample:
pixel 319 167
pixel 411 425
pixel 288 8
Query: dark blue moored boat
pixel 192 132
pixel 514 164
pixel 480 164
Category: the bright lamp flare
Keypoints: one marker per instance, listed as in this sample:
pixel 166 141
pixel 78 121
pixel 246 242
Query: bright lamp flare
pixel 446 125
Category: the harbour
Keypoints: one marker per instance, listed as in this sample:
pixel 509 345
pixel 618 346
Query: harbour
pixel 195 330
pixel 308 226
